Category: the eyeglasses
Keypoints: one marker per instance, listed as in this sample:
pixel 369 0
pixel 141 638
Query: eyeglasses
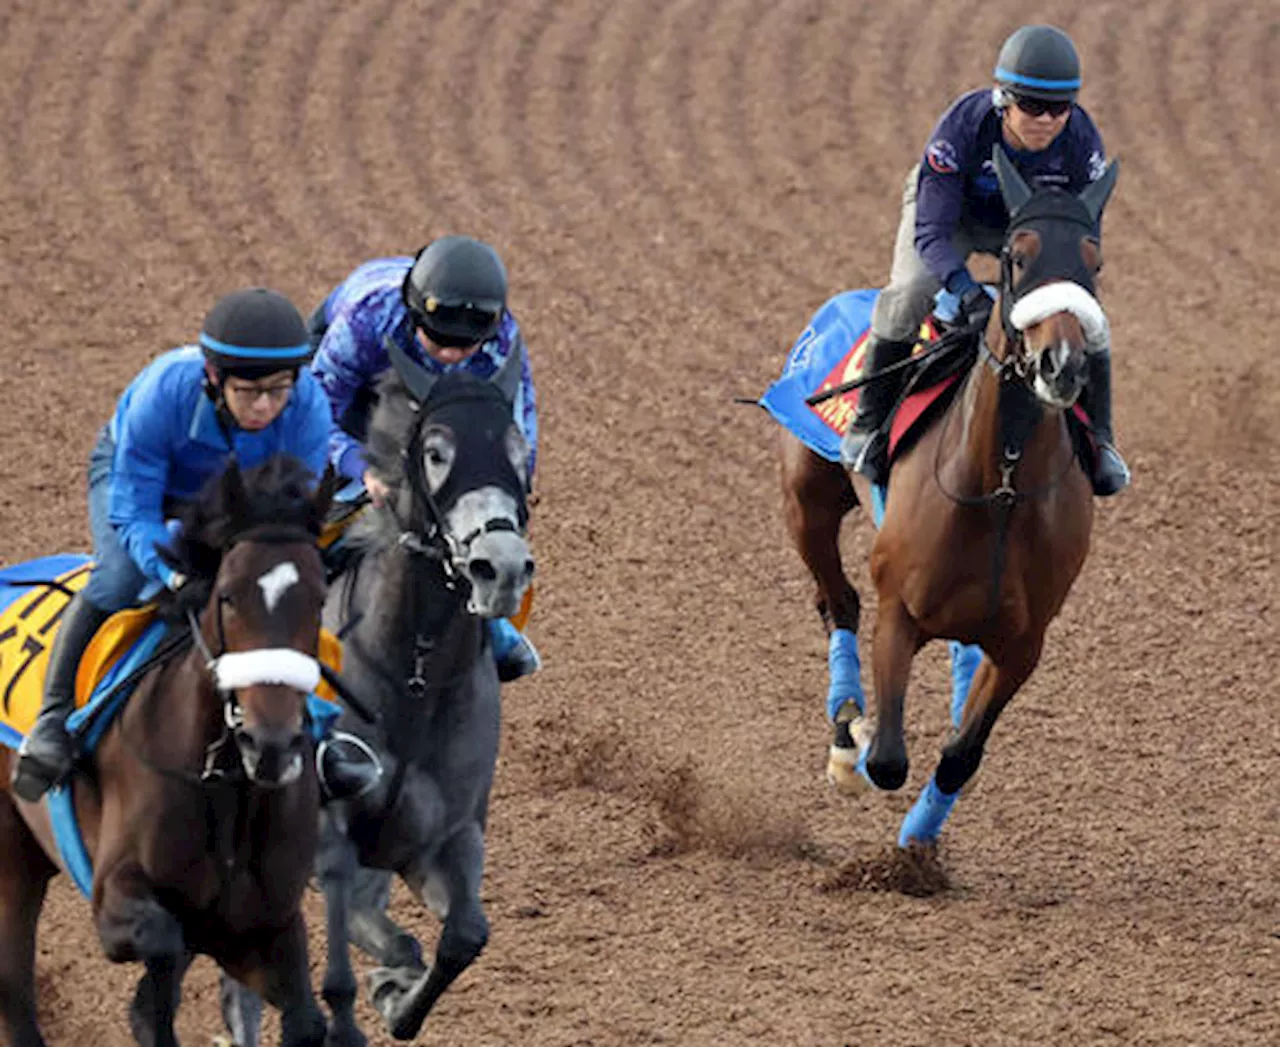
pixel 248 395
pixel 1040 106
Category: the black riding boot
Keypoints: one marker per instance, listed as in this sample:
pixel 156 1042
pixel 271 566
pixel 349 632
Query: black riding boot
pixel 347 766
pixel 46 755
pixel 1110 473
pixel 865 447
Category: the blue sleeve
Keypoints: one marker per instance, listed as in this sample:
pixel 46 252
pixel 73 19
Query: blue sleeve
pixel 140 475
pixel 940 199
pixel 337 367
pixel 314 428
pixel 526 411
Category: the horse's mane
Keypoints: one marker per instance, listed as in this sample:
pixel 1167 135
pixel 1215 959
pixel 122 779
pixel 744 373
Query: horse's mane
pixel 279 495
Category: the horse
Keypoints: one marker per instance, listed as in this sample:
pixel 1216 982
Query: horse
pixel 447 552
pixel 199 807
pixel 987 515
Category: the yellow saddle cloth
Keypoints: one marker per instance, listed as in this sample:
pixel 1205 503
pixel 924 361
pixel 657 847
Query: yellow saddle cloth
pixel 27 629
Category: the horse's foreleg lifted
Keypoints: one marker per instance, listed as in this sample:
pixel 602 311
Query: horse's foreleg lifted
pixel 993 686
pixel 457 868
pixel 134 926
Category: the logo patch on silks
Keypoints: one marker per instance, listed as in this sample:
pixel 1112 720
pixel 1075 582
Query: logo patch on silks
pixel 941 156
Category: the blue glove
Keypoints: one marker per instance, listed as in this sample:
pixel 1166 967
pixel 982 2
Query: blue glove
pixel 946 307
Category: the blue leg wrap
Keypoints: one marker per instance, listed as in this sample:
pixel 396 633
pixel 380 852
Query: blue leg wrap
pixel 924 821
pixel 964 663
pixel 845 671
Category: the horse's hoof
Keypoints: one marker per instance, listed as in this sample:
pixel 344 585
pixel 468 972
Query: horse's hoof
pixel 844 759
pixel 887 763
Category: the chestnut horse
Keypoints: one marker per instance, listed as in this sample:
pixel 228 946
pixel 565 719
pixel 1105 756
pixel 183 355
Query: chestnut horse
pixel 986 516
pixel 199 808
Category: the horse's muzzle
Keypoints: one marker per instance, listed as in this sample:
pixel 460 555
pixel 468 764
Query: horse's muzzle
pixel 272 757
pixel 499 569
pixel 1059 376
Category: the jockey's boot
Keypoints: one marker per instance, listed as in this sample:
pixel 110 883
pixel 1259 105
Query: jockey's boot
pixel 1110 473
pixel 865 447
pixel 512 650
pixel 347 766
pixel 46 755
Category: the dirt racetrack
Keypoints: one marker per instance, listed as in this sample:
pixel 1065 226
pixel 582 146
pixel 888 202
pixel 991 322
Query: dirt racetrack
pixel 676 186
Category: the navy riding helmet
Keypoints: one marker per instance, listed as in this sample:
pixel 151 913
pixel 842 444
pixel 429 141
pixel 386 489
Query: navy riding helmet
pixel 255 332
pixel 1038 61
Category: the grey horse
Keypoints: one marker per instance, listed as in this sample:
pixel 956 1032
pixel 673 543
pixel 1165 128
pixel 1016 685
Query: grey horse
pixel 446 553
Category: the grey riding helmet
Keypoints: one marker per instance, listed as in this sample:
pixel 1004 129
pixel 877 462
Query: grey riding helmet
pixel 456 291
pixel 1039 61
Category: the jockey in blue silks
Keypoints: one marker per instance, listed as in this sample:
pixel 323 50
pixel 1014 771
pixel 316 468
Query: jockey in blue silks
pixel 242 391
pixel 446 309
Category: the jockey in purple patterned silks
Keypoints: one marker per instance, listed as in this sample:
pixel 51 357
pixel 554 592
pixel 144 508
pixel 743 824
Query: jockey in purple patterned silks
pixel 952 206
pixel 446 308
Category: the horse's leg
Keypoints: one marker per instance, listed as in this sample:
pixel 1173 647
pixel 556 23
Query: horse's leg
pixel 458 868
pixel 923 823
pixel 274 965
pixel 993 686
pixel 374 932
pixel 155 1003
pixel 897 638
pixel 241 1011
pixel 817 495
pixel 336 864
pixel 134 926
pixel 24 875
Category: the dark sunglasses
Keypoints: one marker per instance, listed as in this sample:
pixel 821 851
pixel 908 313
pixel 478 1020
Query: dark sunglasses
pixel 1040 106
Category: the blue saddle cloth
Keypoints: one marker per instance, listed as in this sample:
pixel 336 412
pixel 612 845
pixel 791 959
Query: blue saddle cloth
pixel 822 353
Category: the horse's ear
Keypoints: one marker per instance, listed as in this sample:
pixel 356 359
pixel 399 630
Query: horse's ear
pixel 322 500
pixel 416 379
pixel 234 493
pixel 1013 186
pixel 1095 195
pixel 509 374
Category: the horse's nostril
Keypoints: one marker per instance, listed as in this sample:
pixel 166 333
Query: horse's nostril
pixel 528 568
pixel 483 571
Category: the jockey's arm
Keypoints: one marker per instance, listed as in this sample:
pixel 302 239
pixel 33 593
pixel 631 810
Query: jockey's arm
pixel 343 367
pixel 140 475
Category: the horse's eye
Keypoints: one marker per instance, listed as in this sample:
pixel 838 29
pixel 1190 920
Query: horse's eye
pixel 1019 259
pixel 434 457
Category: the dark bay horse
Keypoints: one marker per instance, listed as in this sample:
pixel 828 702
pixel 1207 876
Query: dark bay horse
pixel 199 807
pixel 446 553
pixel 986 518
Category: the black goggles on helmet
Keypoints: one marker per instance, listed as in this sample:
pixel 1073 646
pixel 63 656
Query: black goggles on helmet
pixel 463 324
pixel 1039 106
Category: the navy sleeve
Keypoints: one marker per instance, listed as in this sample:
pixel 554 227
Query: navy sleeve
pixel 940 198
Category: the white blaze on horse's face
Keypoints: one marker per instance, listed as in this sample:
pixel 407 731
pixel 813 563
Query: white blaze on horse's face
pixel 1062 323
pixel 276 582
pixel 496 560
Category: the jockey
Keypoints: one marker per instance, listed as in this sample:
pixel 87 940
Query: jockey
pixel 243 392
pixel 446 308
pixel 952 206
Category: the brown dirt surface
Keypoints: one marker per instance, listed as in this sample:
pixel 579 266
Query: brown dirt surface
pixel 676 186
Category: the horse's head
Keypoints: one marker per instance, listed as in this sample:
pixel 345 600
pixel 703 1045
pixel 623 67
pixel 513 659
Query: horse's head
pixel 450 443
pixel 1049 317
pixel 255 597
